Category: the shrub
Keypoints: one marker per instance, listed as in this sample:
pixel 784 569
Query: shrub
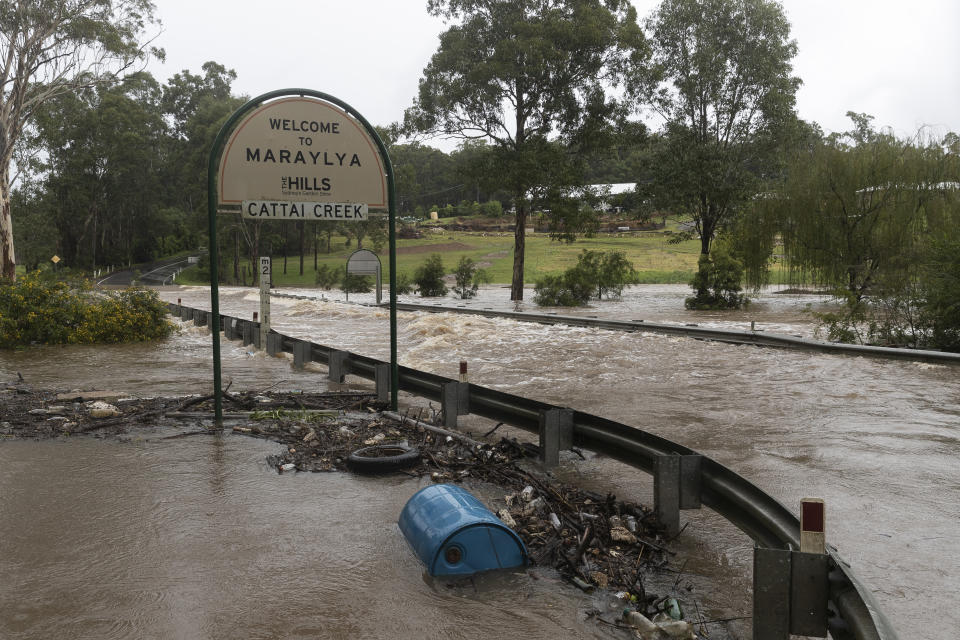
pixel 596 272
pixel 572 289
pixel 429 277
pixel 34 310
pixel 610 271
pixel 469 277
pixel 404 284
pixel 353 283
pixel 716 284
pixel 328 276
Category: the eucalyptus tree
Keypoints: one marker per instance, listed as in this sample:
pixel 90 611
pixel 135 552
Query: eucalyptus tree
pixel 103 153
pixel 49 48
pixel 721 80
pixel 527 76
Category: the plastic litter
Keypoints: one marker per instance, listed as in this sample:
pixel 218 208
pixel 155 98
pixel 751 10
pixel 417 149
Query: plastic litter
pixel 672 608
pixel 641 623
pixel 287 467
pixel 555 521
pixel 677 629
pixel 504 515
pixel 100 409
pixel 527 493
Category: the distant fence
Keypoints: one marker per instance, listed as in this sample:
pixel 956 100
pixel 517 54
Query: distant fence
pixel 853 613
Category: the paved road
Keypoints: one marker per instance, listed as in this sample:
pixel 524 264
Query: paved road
pixel 154 273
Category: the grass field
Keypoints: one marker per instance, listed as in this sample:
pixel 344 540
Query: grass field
pixel 655 259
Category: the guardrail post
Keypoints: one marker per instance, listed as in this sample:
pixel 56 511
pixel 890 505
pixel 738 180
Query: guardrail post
pixel 454 401
pixel 257 337
pixel 666 492
pixel 556 433
pixel 247 331
pixel 199 318
pixel 771 594
pixel 337 365
pixel 186 313
pixel 690 481
pixel 302 353
pixel 230 328
pixel 809 592
pixel 790 593
pixel 274 344
pixel 676 486
pixel 381 375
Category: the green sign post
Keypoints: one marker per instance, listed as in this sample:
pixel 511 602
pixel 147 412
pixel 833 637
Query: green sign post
pixel 299 154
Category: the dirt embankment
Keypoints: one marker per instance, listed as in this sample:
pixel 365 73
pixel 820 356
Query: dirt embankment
pixel 435 248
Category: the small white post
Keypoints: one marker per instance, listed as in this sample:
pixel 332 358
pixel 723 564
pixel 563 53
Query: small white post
pixel 463 371
pixel 264 298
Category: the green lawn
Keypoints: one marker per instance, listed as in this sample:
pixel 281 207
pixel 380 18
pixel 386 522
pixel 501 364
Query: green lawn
pixel 655 259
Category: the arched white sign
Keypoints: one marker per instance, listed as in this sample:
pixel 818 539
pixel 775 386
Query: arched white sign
pixel 304 159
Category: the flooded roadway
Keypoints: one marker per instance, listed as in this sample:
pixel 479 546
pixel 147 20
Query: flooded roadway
pixel 877 439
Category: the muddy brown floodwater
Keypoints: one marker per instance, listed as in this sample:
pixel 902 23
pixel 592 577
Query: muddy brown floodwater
pixel 877 439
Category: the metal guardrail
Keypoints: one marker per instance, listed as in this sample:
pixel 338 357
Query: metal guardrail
pixel 768 522
pixel 732 336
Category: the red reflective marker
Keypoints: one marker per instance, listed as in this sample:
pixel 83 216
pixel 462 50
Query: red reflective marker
pixel 813 537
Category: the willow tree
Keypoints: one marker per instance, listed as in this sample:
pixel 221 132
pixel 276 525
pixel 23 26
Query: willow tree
pixel 863 213
pixel 532 78
pixel 49 48
pixel 856 209
pixel 720 79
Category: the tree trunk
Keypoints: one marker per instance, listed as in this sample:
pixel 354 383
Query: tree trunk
pixel 519 244
pixel 8 263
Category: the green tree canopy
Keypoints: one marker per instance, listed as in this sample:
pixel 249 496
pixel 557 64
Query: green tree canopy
pixel 50 48
pixel 721 81
pixel 857 209
pixel 520 74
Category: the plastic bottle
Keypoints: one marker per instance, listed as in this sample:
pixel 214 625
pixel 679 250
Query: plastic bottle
pixel 672 608
pixel 677 629
pixel 640 622
pixel 288 467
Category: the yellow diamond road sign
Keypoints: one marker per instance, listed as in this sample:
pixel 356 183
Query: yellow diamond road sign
pixel 55 259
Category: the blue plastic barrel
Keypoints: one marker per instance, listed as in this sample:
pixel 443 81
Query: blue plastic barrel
pixel 453 534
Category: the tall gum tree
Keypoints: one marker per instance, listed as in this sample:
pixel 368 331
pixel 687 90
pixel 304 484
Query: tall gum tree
pixel 533 78
pixel 720 80
pixel 51 47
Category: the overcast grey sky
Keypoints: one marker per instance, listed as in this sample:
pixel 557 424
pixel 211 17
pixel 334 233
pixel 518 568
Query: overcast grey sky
pixel 898 60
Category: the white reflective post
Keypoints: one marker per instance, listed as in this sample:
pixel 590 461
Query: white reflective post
pixel 264 298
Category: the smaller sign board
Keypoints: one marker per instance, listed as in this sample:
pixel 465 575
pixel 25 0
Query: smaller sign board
pixel 366 263
pixel 363 262
pixel 55 259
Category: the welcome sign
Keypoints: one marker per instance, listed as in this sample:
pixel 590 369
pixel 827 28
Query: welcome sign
pixel 299 158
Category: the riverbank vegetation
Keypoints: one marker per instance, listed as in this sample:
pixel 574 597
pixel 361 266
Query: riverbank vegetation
pixel 38 310
pixel 875 219
pixel 112 166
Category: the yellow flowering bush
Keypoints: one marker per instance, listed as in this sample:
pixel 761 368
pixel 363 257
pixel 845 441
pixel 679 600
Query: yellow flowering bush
pixel 35 310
